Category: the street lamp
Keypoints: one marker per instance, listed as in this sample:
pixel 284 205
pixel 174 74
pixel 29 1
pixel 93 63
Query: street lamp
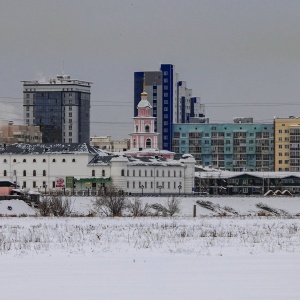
pixel 142 187
pixel 160 186
pixel 179 188
pixel 45 186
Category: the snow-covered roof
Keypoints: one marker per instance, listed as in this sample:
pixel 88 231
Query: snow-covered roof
pixel 22 148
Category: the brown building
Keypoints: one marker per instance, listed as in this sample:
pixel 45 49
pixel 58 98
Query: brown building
pixel 11 134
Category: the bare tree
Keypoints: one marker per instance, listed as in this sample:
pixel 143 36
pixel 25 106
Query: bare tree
pixel 173 206
pixel 44 206
pixel 111 203
pixel 55 204
pixel 137 209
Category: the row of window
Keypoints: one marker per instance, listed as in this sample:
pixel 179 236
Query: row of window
pixel 24 173
pixel 159 185
pixel 44 160
pixel 158 174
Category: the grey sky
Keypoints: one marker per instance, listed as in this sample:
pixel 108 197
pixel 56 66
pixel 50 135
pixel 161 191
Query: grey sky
pixel 241 52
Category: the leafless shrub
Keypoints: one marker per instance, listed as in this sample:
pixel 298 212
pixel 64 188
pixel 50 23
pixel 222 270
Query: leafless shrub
pixel 137 209
pixel 111 203
pixel 44 206
pixel 172 207
pixel 54 204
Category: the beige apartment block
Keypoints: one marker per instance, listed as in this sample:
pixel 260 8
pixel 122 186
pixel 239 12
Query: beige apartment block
pixel 106 143
pixel 11 134
pixel 287 144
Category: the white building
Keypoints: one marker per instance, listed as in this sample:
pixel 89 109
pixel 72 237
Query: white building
pixel 44 167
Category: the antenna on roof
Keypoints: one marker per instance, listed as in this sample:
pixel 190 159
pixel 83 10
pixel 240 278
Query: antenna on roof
pixel 144 83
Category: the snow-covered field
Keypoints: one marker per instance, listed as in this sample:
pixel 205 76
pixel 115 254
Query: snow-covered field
pixel 207 257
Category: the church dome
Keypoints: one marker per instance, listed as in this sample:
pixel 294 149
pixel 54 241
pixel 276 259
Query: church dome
pixel 144 102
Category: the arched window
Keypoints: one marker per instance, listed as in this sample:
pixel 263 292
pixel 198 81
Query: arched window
pixel 134 143
pixel 103 172
pixel 44 160
pixel 148 143
pixel 136 128
pixel 168 173
pixel 53 160
pixel 14 160
pixel 163 174
pixel 179 173
pixel 24 160
pixel 5 161
pixel 123 172
pixel 4 173
pixel 147 128
pixel 133 173
pixel 34 160
pixel 174 173
pixel 34 173
pixel 140 173
pixel 63 160
pixel 73 160
pixel 24 173
pixel 93 172
pixel 44 172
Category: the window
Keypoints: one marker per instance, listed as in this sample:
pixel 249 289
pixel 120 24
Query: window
pixel 44 160
pixel 147 128
pixel 4 160
pixel 44 172
pixel 145 173
pixel 123 172
pixel 4 173
pixel 14 160
pixel 133 173
pixel 73 160
pixel 93 172
pixel 53 160
pixel 140 173
pixel 24 184
pixel 174 173
pixel 24 173
pixel 133 184
pixel 34 173
pixel 24 160
pixel 103 172
pixel 34 184
pixel 63 160
pixel 148 143
pixel 127 173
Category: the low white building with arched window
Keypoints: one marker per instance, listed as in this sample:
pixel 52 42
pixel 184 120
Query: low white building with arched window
pixel 84 168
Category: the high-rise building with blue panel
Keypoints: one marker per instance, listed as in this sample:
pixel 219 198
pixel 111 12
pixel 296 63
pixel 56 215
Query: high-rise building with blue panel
pixel 170 99
pixel 61 107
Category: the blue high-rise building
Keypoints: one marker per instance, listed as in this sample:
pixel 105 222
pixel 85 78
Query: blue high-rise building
pixel 164 90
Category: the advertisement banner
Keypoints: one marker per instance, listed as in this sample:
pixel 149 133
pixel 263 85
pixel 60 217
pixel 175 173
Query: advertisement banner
pixel 60 182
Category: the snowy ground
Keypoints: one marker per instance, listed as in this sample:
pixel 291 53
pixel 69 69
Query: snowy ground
pixel 208 257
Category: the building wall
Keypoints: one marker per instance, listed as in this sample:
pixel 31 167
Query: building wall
pixel 61 107
pixel 287 144
pixel 230 146
pixel 10 134
pixel 166 177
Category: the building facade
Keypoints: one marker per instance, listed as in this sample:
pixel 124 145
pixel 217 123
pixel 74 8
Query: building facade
pixel 80 168
pixel 234 146
pixel 61 107
pixel 287 144
pixel 11 133
pixel 107 143
pixel 170 99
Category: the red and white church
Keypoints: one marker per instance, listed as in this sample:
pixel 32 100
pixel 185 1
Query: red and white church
pixel 144 140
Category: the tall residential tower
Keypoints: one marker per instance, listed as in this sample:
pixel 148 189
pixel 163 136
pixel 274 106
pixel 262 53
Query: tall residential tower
pixel 171 100
pixel 61 107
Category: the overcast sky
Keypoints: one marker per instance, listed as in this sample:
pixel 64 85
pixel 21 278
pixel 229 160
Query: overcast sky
pixel 241 57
